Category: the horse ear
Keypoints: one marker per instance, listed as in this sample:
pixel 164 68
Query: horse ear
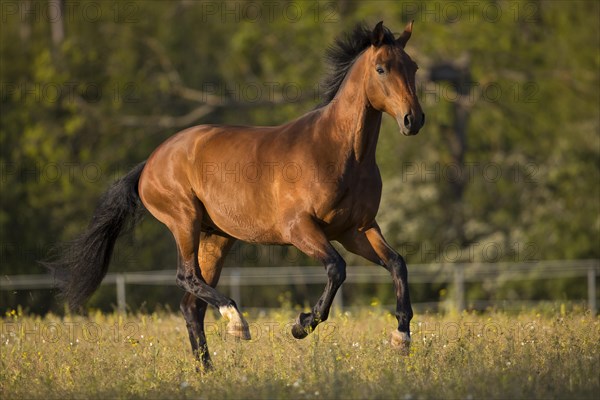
pixel 403 38
pixel 377 35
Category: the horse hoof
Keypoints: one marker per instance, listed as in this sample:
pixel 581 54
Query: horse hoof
pixel 400 340
pixel 205 368
pixel 299 332
pixel 240 331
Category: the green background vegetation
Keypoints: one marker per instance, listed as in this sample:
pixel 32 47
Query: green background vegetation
pixel 81 108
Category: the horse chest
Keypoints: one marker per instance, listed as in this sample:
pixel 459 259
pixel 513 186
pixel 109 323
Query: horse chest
pixel 353 205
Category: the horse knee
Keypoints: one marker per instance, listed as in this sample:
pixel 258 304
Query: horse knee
pixel 337 272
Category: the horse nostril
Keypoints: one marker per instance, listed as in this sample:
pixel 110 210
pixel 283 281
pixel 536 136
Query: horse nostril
pixel 423 119
pixel 408 120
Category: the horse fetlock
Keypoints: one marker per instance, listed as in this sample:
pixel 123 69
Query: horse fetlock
pixel 404 317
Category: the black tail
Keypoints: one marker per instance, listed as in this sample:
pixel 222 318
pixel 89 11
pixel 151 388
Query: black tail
pixel 80 267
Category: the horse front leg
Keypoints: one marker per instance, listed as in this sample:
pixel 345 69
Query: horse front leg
pixel 308 237
pixel 371 245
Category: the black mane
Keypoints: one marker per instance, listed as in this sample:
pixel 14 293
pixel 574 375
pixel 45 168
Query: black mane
pixel 341 55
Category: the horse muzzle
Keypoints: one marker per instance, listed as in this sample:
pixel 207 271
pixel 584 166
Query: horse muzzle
pixel 409 124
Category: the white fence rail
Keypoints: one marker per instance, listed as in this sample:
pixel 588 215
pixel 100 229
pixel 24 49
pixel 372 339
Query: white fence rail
pixel 455 274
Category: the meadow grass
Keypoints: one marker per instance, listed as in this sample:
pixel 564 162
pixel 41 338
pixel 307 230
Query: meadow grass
pixel 532 354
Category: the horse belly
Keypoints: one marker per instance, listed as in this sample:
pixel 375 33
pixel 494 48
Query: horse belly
pixel 246 223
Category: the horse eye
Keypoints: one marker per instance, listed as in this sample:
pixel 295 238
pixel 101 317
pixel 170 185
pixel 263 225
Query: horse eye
pixel 379 70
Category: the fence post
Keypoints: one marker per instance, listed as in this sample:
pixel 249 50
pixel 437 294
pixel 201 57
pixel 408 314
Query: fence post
pixel 235 285
pixel 591 281
pixel 459 287
pixel 121 301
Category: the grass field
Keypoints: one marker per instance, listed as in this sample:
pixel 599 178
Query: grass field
pixel 553 353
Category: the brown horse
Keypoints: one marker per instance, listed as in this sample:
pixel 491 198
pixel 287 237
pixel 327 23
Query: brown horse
pixel 304 183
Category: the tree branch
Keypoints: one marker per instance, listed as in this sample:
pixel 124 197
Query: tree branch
pixel 168 121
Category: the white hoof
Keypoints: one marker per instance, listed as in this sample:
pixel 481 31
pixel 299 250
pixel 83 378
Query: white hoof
pixel 400 339
pixel 237 326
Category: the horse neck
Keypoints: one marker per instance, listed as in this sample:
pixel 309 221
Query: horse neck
pixel 353 124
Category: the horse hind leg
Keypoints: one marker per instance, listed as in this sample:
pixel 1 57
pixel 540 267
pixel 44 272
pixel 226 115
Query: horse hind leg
pixel 211 256
pixel 183 215
pixel 212 251
pixel 199 268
